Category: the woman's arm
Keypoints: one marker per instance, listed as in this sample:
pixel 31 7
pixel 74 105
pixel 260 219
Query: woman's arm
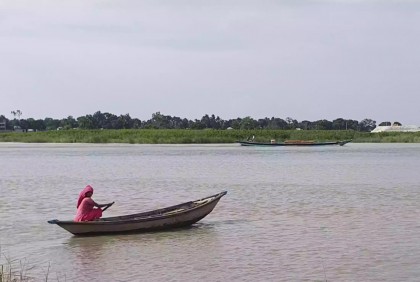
pixel 101 205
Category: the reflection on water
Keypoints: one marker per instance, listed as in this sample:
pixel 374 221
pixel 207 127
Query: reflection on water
pixel 148 250
pixel 346 213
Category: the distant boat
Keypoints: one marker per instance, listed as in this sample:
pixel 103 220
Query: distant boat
pixel 162 219
pixel 293 143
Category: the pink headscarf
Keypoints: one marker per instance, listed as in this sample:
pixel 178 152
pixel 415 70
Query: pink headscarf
pixel 82 194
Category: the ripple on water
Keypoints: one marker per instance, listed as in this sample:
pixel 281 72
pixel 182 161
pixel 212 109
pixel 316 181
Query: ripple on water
pixel 345 213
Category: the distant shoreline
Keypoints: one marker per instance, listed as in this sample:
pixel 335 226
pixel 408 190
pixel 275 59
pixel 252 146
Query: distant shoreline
pixel 186 136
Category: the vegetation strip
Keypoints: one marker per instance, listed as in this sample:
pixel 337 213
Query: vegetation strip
pixel 187 136
pixel 101 120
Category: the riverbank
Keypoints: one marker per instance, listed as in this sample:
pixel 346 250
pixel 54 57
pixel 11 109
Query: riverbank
pixel 178 136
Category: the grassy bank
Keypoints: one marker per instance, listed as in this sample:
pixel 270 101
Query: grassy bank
pixel 177 136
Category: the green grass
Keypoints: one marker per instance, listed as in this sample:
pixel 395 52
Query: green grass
pixel 19 270
pixel 185 136
pixel 14 270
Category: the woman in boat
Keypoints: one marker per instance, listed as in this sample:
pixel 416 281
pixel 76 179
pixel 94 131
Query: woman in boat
pixel 86 210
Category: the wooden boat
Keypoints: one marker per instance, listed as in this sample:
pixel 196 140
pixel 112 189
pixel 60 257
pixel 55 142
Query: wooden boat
pixel 293 143
pixel 162 219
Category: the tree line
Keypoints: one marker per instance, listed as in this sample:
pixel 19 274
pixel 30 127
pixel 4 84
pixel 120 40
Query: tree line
pixel 106 120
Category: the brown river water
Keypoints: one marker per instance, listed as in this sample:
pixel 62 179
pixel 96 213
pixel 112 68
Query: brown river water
pixel 348 213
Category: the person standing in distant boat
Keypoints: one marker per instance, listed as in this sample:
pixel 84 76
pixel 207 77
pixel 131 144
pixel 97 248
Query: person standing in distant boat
pixel 86 210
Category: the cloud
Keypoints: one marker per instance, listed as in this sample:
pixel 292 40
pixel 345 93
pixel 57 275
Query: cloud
pixel 305 59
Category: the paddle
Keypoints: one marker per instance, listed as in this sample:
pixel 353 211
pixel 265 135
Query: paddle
pixel 108 206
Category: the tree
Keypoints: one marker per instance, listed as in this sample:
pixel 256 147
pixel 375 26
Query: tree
pixel 385 123
pixel 248 123
pixel 157 120
pixel 160 121
pixel 125 121
pixel 197 124
pixel 263 123
pixel 86 122
pixel 68 123
pixel 305 124
pixel 23 123
pixel 367 125
pixel 339 124
pixel 51 124
pixel 109 121
pixel 277 123
pixel 236 123
pixel 98 119
pixel 17 113
pixel 291 123
pixel 136 123
pixel 323 124
pixel 39 125
pixel 184 123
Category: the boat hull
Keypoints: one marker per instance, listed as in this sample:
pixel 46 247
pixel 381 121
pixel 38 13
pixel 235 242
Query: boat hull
pixel 301 144
pixel 162 219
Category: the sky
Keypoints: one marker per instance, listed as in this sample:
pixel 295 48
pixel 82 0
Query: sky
pixel 304 59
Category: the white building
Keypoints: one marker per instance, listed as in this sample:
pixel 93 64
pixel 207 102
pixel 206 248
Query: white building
pixel 396 128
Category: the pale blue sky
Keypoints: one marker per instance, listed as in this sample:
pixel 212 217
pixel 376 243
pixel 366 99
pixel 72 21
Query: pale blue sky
pixel 307 60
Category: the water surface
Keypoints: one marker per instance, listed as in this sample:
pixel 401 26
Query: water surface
pixel 346 213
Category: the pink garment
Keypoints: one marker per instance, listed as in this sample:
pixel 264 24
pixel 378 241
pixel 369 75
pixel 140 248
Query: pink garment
pixel 83 193
pixel 86 207
pixel 86 211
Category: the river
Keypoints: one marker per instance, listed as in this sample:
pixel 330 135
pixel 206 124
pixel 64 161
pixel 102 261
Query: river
pixel 348 213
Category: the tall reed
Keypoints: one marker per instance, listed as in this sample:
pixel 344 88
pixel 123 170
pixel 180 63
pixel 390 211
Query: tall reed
pixel 14 270
pixel 186 136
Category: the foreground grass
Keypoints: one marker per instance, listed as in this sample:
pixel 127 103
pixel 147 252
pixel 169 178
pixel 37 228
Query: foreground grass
pixel 9 274
pixel 17 271
pixel 13 270
pixel 180 136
